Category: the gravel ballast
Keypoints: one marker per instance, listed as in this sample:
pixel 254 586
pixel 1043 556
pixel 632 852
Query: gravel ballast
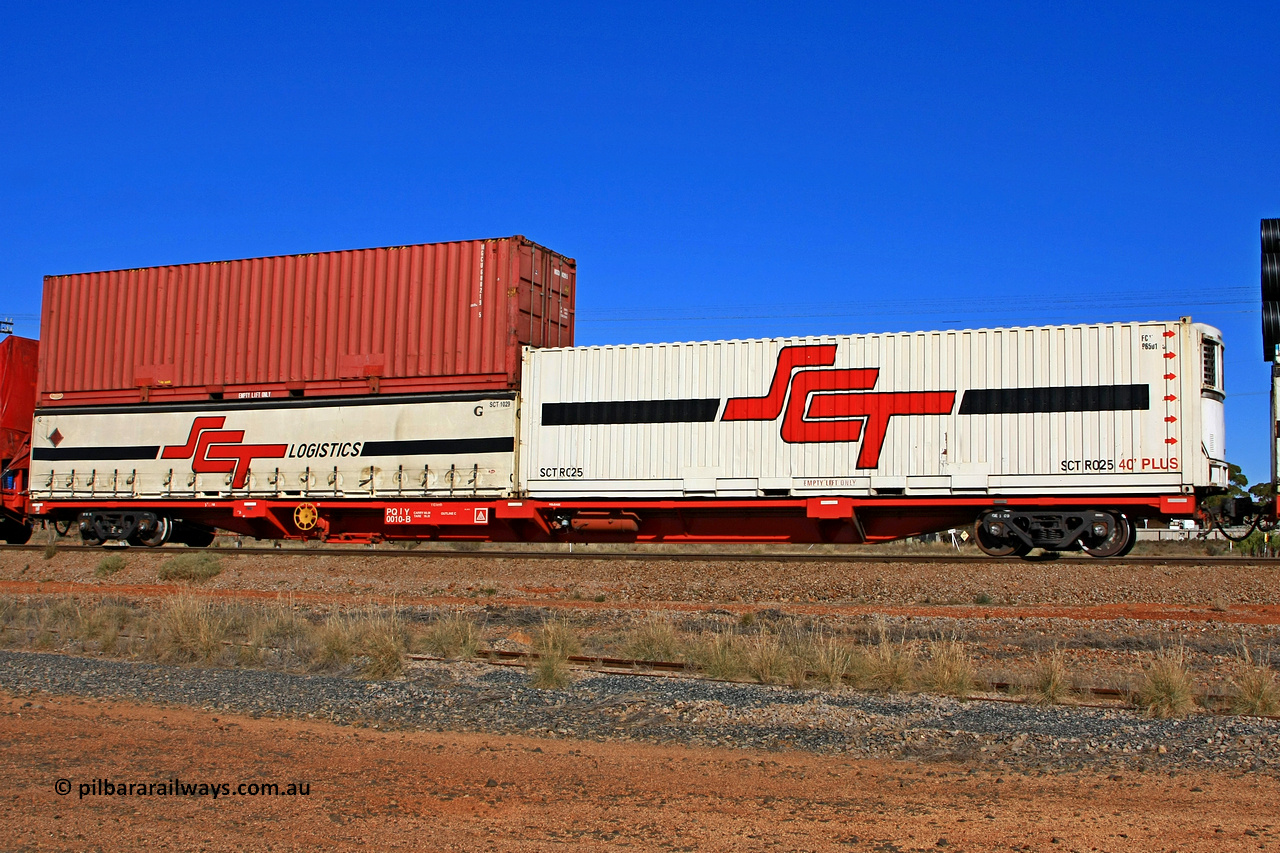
pixel 478 697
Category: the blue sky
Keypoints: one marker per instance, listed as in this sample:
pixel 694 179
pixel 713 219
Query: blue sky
pixel 718 170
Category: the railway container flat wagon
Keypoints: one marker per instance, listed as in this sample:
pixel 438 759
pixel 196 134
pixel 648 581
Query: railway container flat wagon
pixel 1056 437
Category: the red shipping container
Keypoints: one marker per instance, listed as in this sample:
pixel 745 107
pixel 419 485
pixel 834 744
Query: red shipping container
pixel 404 319
pixel 17 393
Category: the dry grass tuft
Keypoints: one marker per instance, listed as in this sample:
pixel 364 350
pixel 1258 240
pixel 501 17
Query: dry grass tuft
pixel 767 661
pixel 834 661
pixel 451 636
pixel 190 630
pixel 556 637
pixel 891 665
pixel 1166 690
pixel 1050 681
pixel 719 656
pixel 106 623
pixel 1254 689
pixel 655 639
pixel 274 630
pixel 949 669
pixel 371 639
pixel 194 567
pixel 554 643
pixel 550 672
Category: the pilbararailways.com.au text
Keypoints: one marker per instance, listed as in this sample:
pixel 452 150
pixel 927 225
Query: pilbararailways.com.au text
pixel 176 787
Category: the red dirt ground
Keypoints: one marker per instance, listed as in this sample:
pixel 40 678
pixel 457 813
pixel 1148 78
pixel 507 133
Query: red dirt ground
pixel 372 790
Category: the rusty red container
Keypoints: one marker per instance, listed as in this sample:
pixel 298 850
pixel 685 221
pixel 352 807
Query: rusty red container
pixel 18 358
pixel 430 317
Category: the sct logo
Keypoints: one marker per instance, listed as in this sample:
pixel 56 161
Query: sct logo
pixel 214 450
pixel 830 405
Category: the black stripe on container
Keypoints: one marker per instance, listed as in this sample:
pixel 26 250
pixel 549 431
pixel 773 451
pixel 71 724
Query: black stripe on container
pixel 1069 398
pixel 95 454
pixel 630 412
pixel 439 446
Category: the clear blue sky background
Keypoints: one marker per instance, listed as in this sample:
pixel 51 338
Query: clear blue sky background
pixel 718 170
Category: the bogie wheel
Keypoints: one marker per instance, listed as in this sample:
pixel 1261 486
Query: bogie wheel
pixel 160 535
pixel 993 547
pixel 1133 538
pixel 305 516
pixel 1117 544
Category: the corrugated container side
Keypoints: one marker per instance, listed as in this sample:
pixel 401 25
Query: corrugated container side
pixel 1055 409
pixel 18 358
pixel 403 319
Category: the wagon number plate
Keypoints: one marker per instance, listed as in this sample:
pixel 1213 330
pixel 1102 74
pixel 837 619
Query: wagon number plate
pixel 437 514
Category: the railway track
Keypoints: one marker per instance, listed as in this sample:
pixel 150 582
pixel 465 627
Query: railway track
pixel 997 691
pixel 675 555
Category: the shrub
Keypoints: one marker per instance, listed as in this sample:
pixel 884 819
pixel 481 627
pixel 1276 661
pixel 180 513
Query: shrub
pixel 195 567
pixel 1166 690
pixel 108 566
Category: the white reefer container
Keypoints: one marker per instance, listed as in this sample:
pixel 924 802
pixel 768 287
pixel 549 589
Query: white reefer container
pixel 431 446
pixel 1122 408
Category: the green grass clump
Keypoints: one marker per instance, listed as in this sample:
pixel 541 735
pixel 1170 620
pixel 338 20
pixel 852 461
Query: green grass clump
pixel 194 567
pixel 108 566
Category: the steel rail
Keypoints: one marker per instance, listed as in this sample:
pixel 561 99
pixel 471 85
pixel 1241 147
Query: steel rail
pixel 671 555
